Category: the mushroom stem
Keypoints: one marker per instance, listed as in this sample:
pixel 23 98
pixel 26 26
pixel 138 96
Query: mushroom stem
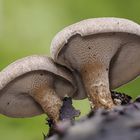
pixel 96 81
pixel 50 102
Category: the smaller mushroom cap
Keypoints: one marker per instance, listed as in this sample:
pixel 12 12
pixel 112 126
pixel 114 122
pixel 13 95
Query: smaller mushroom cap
pixel 17 79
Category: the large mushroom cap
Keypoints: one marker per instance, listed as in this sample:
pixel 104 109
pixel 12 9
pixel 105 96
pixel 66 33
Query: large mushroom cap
pixel 124 65
pixel 14 80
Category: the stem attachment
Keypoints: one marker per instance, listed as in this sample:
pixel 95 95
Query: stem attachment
pixel 49 101
pixel 96 82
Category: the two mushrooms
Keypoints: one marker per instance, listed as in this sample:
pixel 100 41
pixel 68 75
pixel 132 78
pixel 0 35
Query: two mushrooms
pixel 89 59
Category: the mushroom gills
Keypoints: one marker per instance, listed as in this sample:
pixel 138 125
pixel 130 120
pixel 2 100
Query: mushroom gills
pixel 32 94
pixel 91 56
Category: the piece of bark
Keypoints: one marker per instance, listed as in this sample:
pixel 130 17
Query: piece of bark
pixel 121 123
pixel 67 115
pixel 68 112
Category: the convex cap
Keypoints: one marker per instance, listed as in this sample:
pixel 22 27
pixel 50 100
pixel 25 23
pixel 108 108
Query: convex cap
pixel 21 78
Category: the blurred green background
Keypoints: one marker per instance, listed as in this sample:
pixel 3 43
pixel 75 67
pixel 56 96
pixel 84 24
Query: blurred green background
pixel 28 26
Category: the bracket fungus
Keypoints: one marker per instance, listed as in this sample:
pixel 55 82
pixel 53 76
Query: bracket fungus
pixel 34 85
pixel 103 51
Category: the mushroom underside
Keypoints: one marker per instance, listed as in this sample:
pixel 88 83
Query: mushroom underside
pixel 122 50
pixel 125 64
pixel 19 105
pixel 16 98
pixel 103 61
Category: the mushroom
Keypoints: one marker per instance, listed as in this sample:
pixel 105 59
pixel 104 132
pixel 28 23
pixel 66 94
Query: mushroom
pixel 34 85
pixel 103 51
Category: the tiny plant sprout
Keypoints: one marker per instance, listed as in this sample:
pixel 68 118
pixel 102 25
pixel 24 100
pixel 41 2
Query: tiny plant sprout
pixel 34 85
pixel 104 52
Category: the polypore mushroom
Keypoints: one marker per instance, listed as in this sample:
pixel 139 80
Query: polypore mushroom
pixel 103 51
pixel 34 83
